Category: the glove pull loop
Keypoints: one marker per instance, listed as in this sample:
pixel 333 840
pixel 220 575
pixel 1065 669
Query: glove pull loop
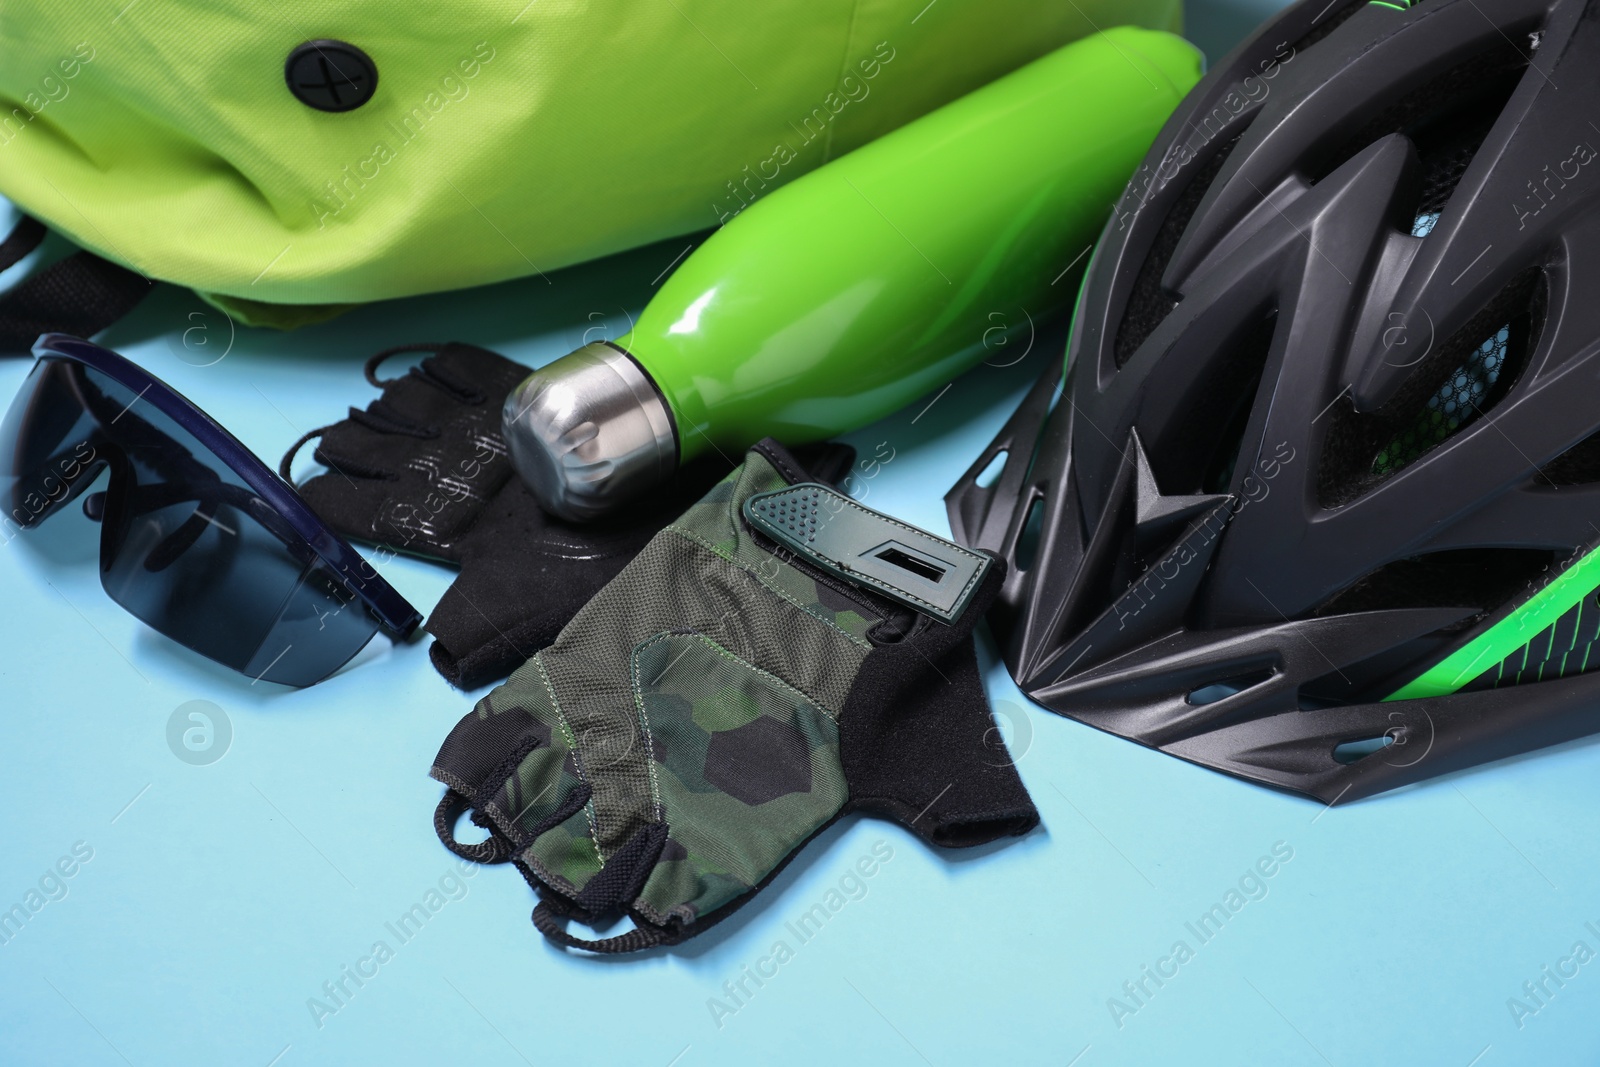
pixel 431 371
pixel 608 893
pixel 294 450
pixel 345 467
pixel 370 368
pixel 492 849
pixel 548 921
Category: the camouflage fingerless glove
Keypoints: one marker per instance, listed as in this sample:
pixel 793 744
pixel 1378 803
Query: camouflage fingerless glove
pixel 776 657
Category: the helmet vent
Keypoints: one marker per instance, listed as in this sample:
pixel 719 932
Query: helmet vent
pixel 1452 387
pixel 1222 690
pixel 1448 118
pixel 1578 465
pixel 991 474
pixel 1349 752
pixel 1448 145
pixel 1457 401
pixel 1027 551
pixel 1150 303
pixel 1480 578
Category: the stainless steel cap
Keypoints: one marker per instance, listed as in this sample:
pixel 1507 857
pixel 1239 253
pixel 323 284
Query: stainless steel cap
pixel 589 432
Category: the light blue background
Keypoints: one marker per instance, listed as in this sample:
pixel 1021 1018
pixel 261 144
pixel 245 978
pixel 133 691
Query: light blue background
pixel 220 898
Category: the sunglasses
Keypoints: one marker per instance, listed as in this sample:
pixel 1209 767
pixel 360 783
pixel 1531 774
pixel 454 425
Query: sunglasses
pixel 199 539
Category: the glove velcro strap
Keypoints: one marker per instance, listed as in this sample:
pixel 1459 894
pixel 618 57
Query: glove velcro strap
pixel 870 549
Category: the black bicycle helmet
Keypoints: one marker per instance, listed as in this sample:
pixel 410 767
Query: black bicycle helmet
pixel 1317 503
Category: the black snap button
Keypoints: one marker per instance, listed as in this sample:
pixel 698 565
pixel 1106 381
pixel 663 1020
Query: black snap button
pixel 330 75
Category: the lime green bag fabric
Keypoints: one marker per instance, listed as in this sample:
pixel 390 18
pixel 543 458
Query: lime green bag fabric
pixel 505 138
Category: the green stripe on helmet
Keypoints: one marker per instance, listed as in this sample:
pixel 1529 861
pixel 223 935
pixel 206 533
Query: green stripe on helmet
pixel 1511 634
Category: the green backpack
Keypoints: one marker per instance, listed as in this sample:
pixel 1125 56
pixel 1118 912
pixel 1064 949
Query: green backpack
pixel 289 160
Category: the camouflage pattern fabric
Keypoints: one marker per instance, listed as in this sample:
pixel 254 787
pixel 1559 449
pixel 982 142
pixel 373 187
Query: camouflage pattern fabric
pixel 685 722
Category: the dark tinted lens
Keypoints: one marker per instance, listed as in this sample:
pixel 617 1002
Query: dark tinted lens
pixel 318 628
pixel 205 570
pixel 47 445
pixel 195 553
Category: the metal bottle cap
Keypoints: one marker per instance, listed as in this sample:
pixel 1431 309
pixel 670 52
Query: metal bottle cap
pixel 589 432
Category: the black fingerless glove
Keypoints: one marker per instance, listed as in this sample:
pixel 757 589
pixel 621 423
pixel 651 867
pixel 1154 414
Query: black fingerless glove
pixel 424 470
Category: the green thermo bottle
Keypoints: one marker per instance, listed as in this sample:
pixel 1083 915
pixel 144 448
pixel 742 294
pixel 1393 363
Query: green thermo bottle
pixel 862 285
